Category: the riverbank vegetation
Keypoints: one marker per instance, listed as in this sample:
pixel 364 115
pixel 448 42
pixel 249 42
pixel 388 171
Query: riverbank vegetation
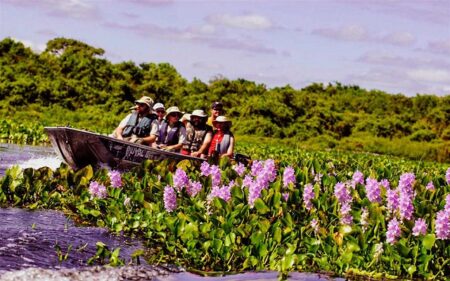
pixel 70 83
pixel 351 215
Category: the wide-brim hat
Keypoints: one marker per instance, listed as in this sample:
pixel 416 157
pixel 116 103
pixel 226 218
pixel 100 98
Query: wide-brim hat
pixel 199 113
pixel 222 119
pixel 158 105
pixel 145 100
pixel 186 116
pixel 173 109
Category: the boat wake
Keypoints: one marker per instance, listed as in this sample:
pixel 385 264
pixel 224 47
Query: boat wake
pixel 52 162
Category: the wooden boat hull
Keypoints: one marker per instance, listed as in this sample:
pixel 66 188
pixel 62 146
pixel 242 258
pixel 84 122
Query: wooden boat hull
pixel 79 148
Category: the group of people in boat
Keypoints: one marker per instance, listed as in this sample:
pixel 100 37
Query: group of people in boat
pixel 195 134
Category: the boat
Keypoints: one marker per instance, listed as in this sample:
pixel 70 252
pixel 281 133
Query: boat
pixel 79 148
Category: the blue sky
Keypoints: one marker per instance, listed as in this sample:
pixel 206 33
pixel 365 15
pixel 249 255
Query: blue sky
pixel 393 46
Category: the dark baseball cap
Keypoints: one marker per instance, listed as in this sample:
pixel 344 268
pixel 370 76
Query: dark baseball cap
pixel 217 105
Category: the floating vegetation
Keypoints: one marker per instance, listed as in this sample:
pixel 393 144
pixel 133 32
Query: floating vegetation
pixel 361 215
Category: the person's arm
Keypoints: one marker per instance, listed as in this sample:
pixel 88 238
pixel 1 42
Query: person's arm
pixel 154 132
pixel 230 149
pixel 204 146
pixel 119 130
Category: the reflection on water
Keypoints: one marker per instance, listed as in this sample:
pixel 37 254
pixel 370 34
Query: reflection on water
pixel 28 239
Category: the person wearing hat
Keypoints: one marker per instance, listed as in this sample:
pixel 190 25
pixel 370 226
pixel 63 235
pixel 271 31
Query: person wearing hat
pixel 198 135
pixel 222 143
pixel 160 112
pixel 139 126
pixel 216 110
pixel 171 132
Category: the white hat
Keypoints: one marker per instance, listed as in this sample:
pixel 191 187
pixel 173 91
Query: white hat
pixel 145 100
pixel 199 113
pixel 158 105
pixel 221 119
pixel 173 109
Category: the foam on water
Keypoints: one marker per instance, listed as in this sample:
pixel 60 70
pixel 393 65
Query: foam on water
pixel 52 162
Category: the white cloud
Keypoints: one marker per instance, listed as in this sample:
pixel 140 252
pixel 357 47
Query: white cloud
pixel 430 75
pixel 389 59
pixel 399 38
pixel 441 47
pixel 36 47
pixel 345 33
pixel 81 9
pixel 251 21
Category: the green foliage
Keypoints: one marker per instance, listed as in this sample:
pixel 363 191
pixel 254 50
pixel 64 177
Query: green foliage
pixel 210 234
pixel 71 84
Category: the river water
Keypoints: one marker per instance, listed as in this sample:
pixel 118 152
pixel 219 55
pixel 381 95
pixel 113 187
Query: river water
pixel 45 245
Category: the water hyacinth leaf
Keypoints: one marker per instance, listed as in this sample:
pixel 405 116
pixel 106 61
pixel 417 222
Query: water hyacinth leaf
pixel 277 234
pixel 428 241
pixel 411 269
pixel 345 229
pixel 95 213
pixel 261 207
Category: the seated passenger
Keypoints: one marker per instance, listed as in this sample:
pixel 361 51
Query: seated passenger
pixel 222 143
pixel 160 111
pixel 171 132
pixel 198 135
pixel 139 126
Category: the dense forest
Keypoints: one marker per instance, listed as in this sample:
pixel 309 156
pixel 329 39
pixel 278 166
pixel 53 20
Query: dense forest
pixel 72 83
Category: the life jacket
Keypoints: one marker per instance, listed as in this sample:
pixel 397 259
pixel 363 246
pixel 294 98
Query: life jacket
pixel 140 129
pixel 167 135
pixel 222 147
pixel 194 137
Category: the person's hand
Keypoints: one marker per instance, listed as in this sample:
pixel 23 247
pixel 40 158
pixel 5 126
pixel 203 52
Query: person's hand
pixel 195 154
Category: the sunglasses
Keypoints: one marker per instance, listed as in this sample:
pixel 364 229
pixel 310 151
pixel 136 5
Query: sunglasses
pixel 160 111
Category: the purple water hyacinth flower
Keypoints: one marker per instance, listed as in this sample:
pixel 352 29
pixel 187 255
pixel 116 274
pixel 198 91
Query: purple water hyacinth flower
pixel 315 225
pixel 430 186
pixel 97 190
pixel 405 206
pixel 180 179
pixel 170 199
pixel 341 192
pixel 215 175
pixel 308 195
pixel 193 188
pixel 270 169
pixel 288 176
pixel 406 183
pixel 420 227
pixel 442 225
pixel 256 168
pixel 285 196
pixel 373 190
pixel 385 183
pixel 345 214
pixel 357 178
pixel 447 176
pixel 393 231
pixel 447 204
pixel 223 192
pixel 318 177
pixel 392 200
pixel 254 192
pixel 205 169
pixel 115 178
pixel 248 181
pixel 240 169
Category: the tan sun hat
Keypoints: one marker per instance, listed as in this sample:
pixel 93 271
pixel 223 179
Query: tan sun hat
pixel 186 117
pixel 145 100
pixel 174 109
pixel 221 119
pixel 199 113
